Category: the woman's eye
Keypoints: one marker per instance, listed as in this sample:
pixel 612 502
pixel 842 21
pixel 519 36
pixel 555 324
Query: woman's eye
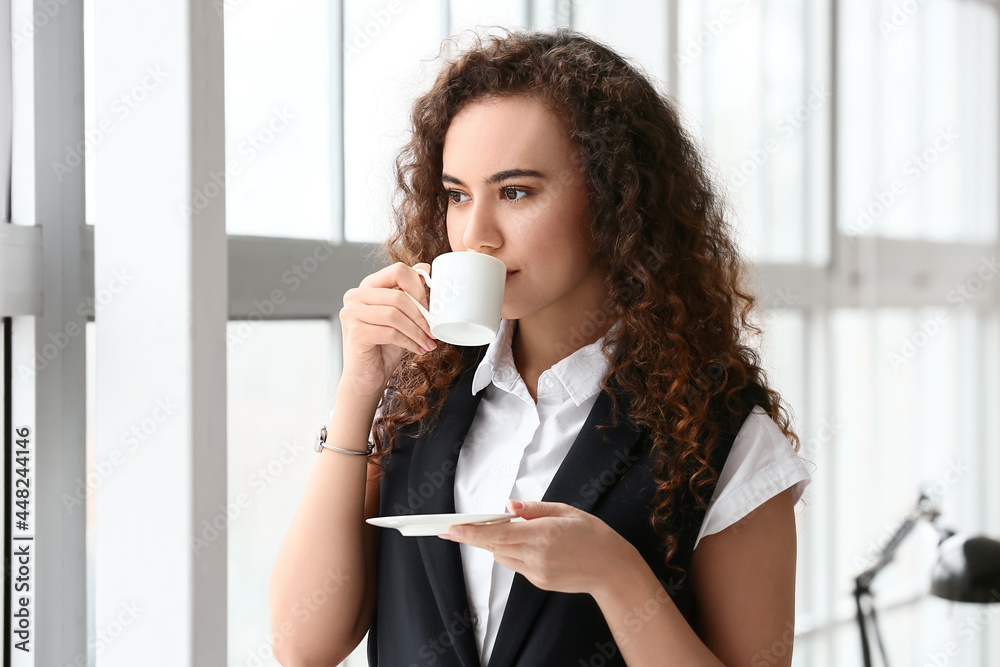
pixel 507 191
pixel 507 194
pixel 455 193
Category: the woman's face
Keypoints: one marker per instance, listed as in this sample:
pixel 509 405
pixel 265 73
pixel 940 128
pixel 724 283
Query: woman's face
pixel 516 192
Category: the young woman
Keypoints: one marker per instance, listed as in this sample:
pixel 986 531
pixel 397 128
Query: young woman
pixel 620 411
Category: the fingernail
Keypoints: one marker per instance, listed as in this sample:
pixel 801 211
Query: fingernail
pixel 444 536
pixel 456 531
pixel 431 344
pixel 516 505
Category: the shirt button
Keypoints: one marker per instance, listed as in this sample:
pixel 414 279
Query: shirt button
pixel 505 469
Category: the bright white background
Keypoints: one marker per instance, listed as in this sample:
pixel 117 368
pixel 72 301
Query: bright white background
pixel 869 219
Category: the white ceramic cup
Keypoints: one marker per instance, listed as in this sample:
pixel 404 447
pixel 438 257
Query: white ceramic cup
pixel 466 297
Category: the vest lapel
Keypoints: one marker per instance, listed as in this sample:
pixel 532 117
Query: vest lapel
pixel 588 458
pixel 432 470
pixel 437 452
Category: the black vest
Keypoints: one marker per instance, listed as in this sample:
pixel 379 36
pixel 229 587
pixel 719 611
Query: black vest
pixel 422 614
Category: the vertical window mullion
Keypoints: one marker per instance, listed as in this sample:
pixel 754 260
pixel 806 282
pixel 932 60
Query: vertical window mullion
pixel 160 407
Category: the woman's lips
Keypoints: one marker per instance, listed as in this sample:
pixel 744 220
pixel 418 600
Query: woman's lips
pixel 510 273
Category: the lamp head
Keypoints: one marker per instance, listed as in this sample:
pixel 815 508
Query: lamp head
pixel 967 569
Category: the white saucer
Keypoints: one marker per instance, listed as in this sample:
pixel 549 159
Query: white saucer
pixel 421 525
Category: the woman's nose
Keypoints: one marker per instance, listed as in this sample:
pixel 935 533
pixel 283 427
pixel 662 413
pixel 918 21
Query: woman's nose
pixel 481 230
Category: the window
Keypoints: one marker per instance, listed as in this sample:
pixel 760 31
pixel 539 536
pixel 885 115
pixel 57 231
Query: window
pixel 281 389
pixel 918 121
pixel 281 62
pixel 767 125
pixel 857 143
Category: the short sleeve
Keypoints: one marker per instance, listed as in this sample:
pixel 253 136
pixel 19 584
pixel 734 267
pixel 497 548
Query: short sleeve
pixel 760 465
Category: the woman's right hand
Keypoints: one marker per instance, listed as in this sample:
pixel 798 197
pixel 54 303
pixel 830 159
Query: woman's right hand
pixel 380 323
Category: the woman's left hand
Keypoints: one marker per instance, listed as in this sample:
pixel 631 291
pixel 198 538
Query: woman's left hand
pixel 559 547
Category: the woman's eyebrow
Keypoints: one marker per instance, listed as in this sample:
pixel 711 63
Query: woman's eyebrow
pixel 497 177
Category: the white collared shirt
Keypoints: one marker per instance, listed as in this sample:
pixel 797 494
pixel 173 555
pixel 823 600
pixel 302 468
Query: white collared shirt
pixel 514 448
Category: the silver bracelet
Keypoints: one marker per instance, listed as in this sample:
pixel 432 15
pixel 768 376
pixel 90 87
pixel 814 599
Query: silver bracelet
pixel 321 444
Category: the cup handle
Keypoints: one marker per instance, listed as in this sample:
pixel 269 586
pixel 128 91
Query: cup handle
pixel 420 306
pixel 427 277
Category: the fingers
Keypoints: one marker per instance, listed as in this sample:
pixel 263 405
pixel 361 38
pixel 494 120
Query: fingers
pixel 393 307
pixel 383 335
pixel 401 276
pixel 381 301
pixel 510 562
pixel 415 331
pixel 482 535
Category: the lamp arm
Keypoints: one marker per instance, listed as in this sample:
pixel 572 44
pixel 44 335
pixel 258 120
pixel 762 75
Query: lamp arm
pixel 923 510
pixel 864 580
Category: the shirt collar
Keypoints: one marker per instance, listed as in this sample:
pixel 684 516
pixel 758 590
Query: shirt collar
pixel 579 375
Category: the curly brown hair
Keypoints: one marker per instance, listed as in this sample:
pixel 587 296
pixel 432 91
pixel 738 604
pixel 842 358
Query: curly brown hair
pixel 660 234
